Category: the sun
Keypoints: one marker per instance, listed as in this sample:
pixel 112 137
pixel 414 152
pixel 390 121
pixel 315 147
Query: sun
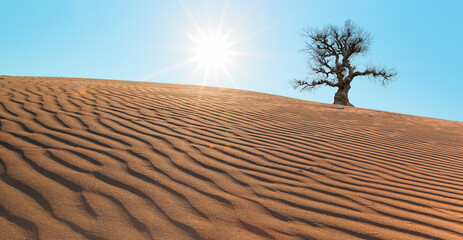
pixel 213 47
pixel 213 51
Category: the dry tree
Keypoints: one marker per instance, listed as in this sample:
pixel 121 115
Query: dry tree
pixel 331 50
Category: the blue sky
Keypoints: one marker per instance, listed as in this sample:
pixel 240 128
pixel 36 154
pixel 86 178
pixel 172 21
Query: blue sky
pixel 148 41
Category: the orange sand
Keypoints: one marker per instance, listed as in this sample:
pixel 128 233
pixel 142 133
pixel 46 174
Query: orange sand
pixel 102 159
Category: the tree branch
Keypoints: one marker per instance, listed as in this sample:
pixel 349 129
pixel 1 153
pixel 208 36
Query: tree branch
pixel 382 73
pixel 310 85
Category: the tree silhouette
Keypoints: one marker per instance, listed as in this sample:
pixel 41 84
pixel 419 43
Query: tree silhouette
pixel 331 50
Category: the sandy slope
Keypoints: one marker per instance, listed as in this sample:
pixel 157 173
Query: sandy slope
pixel 100 159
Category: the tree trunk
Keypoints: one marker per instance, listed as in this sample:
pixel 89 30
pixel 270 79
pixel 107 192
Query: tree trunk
pixel 341 97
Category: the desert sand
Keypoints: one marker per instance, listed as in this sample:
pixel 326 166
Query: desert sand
pixel 106 159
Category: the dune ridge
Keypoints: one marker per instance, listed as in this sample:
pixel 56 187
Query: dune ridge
pixel 109 159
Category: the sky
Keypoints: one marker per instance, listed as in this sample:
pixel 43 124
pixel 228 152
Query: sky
pixel 160 41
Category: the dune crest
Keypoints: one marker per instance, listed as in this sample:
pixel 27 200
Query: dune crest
pixel 106 159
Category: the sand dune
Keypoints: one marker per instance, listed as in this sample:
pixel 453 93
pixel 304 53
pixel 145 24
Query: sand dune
pixel 104 159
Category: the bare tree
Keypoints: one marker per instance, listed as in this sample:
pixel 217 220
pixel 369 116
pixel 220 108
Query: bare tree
pixel 331 50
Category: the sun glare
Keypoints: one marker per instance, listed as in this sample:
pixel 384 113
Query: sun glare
pixel 213 51
pixel 212 48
